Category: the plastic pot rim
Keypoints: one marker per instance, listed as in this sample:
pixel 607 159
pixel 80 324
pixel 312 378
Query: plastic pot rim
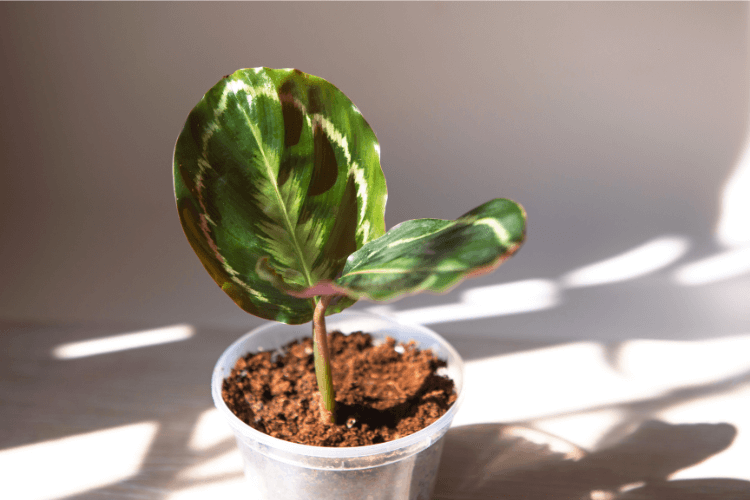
pixel 418 440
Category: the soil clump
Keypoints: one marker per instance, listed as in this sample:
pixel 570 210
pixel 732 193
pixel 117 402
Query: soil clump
pixel 383 392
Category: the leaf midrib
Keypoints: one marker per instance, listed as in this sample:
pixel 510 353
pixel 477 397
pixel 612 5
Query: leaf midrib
pixel 406 270
pixel 280 200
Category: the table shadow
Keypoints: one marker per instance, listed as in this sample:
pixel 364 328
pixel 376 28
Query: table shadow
pixel 497 461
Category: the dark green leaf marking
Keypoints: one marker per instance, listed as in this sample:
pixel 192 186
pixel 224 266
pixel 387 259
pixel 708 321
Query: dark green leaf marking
pixel 431 254
pixel 325 169
pixel 292 113
pixel 277 181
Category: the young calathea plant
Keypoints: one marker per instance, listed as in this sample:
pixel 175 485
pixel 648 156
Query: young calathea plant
pixel 280 193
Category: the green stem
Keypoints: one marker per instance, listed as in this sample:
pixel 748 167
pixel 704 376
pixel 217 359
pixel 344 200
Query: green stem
pixel 323 361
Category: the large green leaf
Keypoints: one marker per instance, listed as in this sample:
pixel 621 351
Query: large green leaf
pixel 431 254
pixel 276 173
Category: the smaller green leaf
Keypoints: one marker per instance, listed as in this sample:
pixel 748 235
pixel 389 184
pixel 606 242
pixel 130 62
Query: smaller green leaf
pixel 431 254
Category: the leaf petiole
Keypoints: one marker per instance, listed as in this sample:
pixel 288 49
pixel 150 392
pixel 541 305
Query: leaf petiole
pixel 322 359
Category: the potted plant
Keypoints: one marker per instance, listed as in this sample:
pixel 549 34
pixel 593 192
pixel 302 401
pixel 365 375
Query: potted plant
pixel 280 193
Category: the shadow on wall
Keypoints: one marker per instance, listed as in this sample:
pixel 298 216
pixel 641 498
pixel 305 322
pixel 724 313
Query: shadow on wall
pixel 490 461
pixel 612 123
pixel 651 290
pixel 665 287
pixel 662 288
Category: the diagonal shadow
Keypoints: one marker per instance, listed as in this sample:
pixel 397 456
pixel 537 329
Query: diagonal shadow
pixel 635 412
pixel 168 384
pixel 691 489
pixel 492 461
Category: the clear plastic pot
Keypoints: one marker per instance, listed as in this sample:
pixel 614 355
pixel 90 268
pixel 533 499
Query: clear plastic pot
pixel 405 468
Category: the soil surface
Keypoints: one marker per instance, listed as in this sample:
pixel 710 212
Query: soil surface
pixel 383 392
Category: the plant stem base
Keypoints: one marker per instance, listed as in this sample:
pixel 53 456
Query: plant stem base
pixel 384 392
pixel 402 469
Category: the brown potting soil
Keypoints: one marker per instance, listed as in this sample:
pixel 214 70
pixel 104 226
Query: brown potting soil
pixel 383 392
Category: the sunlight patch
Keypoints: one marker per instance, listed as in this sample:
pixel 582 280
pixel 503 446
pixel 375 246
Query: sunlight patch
pixel 230 488
pixel 733 228
pixel 554 376
pixel 227 464
pixel 123 342
pixel 719 267
pixel 640 261
pixel 76 464
pixel 210 430
pixel 484 302
pixel 668 364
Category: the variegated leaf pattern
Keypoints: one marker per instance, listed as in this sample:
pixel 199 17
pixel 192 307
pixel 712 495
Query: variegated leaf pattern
pixel 277 180
pixel 431 254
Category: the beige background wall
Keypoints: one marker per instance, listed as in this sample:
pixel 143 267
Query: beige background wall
pixel 613 124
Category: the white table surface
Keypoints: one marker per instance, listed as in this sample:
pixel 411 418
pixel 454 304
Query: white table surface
pixel 139 423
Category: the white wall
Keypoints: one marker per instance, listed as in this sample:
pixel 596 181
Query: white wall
pixel 613 124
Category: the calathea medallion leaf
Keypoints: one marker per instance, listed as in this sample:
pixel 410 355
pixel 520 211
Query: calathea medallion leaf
pixel 277 180
pixel 431 254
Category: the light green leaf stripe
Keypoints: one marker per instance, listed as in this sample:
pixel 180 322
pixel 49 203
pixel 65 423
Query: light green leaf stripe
pixel 277 181
pixel 433 254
